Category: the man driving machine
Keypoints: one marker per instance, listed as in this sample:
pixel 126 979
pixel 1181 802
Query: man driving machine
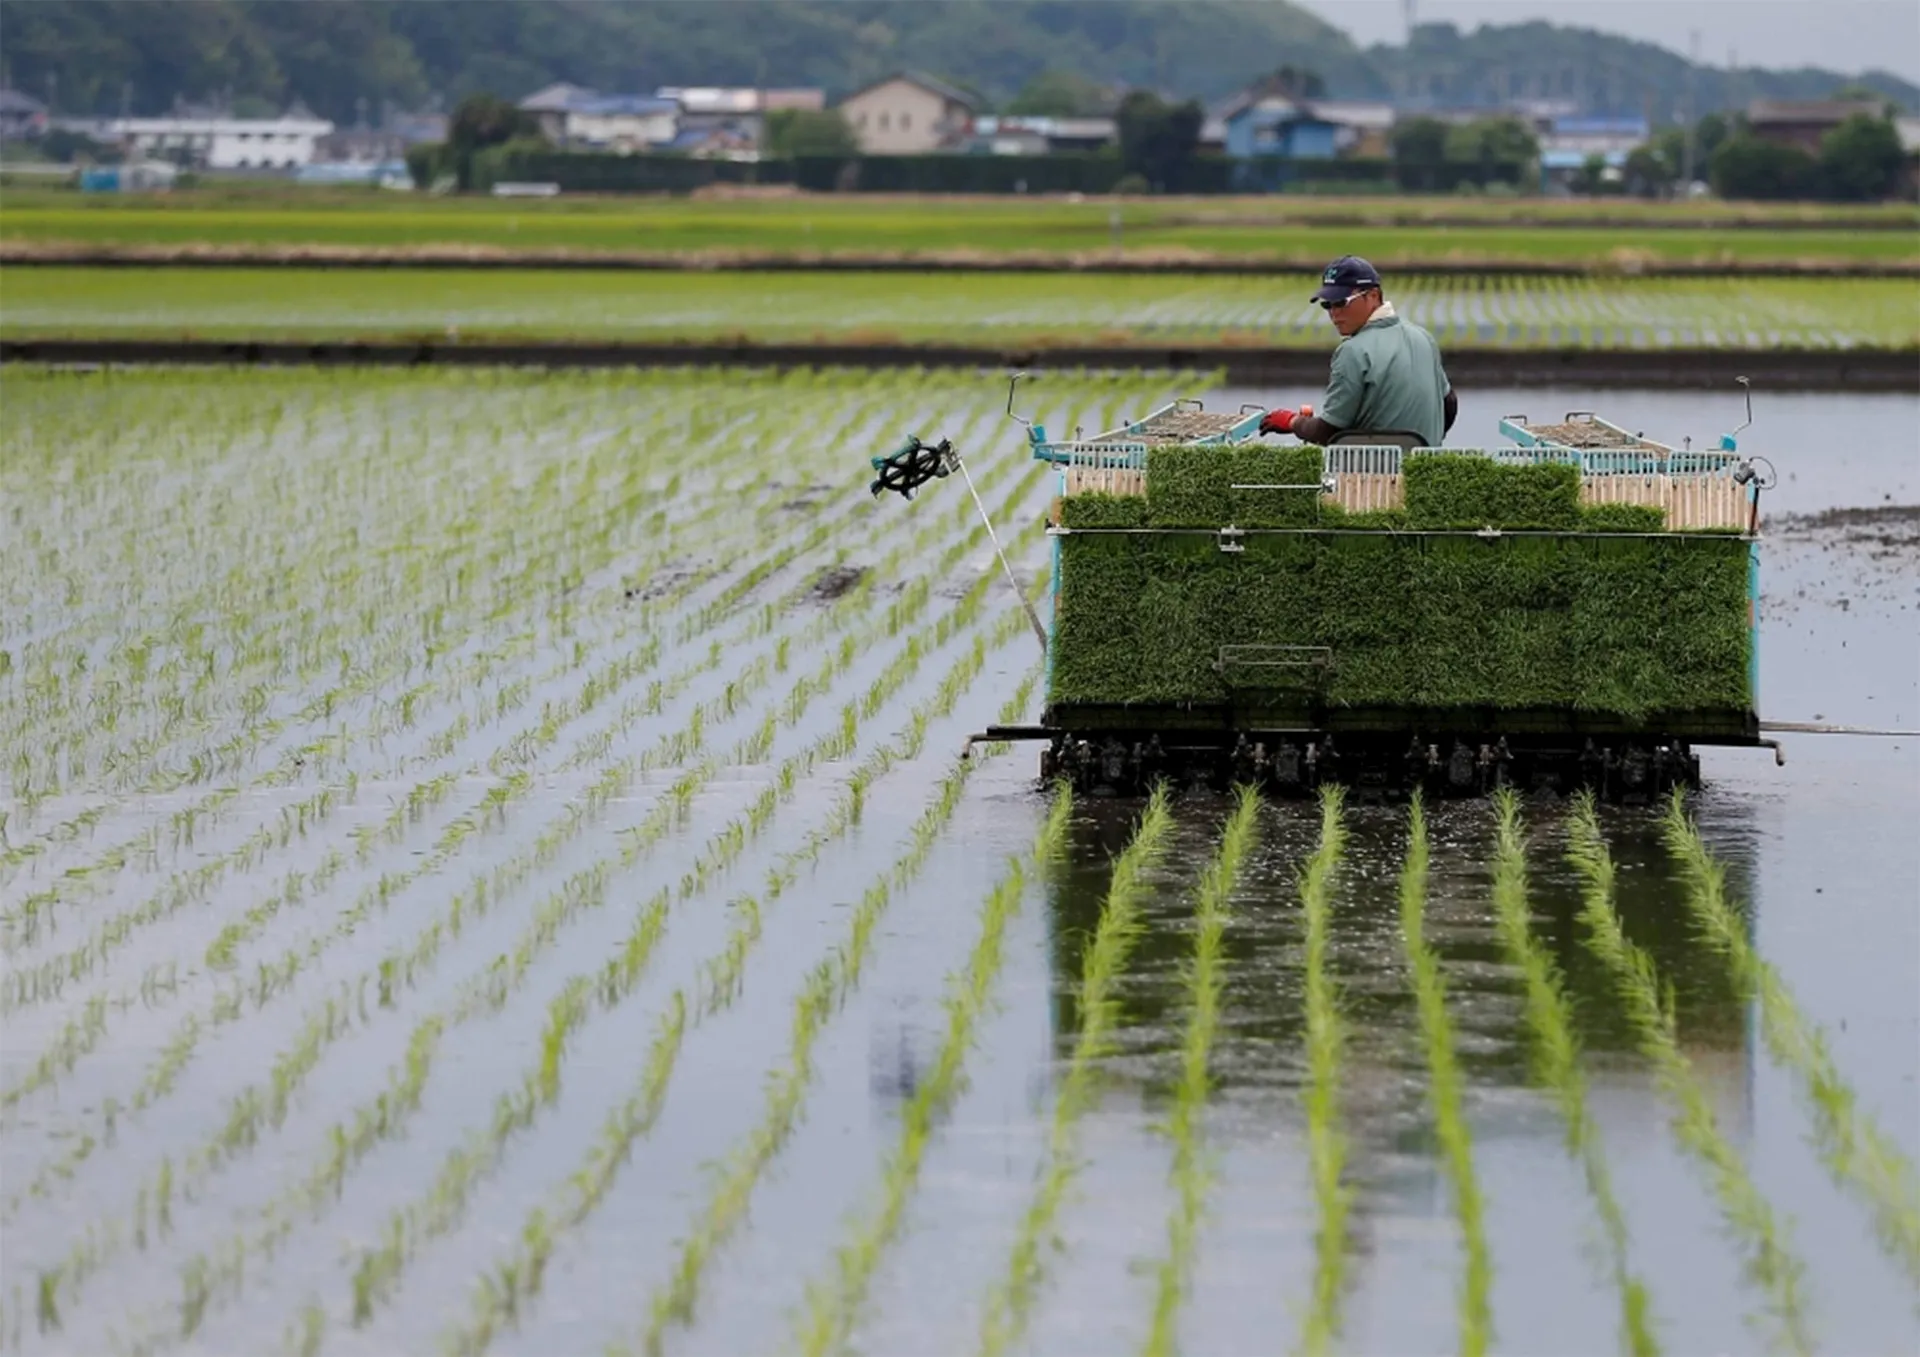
pixel 1386 376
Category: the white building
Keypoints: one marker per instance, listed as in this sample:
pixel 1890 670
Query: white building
pixel 223 143
pixel 551 106
pixel 623 122
pixel 909 114
pixel 571 115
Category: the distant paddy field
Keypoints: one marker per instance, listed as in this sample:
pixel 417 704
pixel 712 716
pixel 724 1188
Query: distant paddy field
pixel 1267 231
pixel 854 308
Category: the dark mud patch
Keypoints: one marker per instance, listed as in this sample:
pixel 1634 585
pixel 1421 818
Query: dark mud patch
pixel 1896 521
pixel 1888 534
pixel 835 581
pixel 660 582
pixel 1837 559
pixel 808 498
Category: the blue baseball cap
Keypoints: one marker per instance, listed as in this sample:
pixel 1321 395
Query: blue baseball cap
pixel 1344 277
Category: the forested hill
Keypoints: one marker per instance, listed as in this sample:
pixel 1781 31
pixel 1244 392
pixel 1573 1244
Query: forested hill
pixel 335 53
pixel 1598 71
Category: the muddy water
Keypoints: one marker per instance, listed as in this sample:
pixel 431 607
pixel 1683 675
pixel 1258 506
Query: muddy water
pixel 1820 855
pixel 1821 859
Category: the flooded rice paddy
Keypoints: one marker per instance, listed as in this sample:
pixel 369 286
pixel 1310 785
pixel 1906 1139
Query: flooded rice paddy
pixel 1483 312
pixel 487 868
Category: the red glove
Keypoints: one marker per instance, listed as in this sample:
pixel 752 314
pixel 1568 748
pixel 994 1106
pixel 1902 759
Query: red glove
pixel 1281 421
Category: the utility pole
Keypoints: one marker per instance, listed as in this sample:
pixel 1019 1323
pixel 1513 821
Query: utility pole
pixel 1688 150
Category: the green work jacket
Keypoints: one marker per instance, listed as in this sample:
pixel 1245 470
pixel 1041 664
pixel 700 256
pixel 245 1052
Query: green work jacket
pixel 1387 375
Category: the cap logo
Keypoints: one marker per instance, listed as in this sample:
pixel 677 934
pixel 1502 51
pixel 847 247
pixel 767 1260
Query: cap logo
pixel 1331 275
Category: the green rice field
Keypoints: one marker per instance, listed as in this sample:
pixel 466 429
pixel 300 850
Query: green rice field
pixel 487 865
pixel 165 303
pixel 1390 231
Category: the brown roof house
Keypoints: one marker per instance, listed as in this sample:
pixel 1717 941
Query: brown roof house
pixel 909 114
pixel 1806 123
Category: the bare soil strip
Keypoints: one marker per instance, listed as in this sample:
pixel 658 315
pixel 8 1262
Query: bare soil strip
pixel 1781 369
pixel 1164 259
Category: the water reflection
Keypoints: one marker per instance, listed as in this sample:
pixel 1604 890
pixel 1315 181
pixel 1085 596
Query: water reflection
pixel 1259 1045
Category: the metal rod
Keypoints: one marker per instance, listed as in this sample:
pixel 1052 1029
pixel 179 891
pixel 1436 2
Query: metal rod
pixel 1402 532
pixel 1821 728
pixel 1039 631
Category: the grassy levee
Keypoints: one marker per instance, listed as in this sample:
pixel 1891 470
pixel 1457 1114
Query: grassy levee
pixel 1860 1157
pixel 1189 1173
pixel 504 1292
pixel 1326 1046
pixel 1009 1304
pixel 1767 1257
pixel 1444 1088
pixel 1555 1058
pixel 450 633
pixel 1307 229
pixel 940 307
pixel 262 1107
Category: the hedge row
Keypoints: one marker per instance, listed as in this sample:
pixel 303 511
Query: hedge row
pixel 1628 626
pixel 608 172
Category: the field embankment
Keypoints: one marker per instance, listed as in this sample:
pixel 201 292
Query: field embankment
pixel 1640 332
pixel 1274 234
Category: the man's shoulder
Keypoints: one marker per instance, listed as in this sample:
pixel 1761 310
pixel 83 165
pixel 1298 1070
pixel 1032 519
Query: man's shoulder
pixel 1417 336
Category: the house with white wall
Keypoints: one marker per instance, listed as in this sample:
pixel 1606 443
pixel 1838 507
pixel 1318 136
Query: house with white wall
pixel 284 143
pixel 909 114
pixel 571 115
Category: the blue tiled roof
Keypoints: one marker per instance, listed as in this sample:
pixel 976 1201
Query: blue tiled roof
pixel 634 105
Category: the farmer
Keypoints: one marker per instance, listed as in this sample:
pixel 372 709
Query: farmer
pixel 1386 373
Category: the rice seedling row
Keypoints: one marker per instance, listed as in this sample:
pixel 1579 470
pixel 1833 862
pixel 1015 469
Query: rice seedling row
pixel 1857 1151
pixel 214 1275
pixel 228 1006
pixel 518 736
pixel 761 571
pixel 563 529
pixel 825 988
pixel 1768 1258
pixel 297 760
pixel 511 1285
pixel 1190 1175
pixel 450 840
pixel 1556 1065
pixel 334 1017
pixel 268 653
pixel 289 767
pixel 1445 1086
pixel 1009 1304
pixel 1326 1044
pixel 48 977
pixel 1613 312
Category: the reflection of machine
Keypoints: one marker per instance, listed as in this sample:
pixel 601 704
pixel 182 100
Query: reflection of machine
pixel 1575 609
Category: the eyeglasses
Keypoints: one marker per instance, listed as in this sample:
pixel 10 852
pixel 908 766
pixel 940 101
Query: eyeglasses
pixel 1335 306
